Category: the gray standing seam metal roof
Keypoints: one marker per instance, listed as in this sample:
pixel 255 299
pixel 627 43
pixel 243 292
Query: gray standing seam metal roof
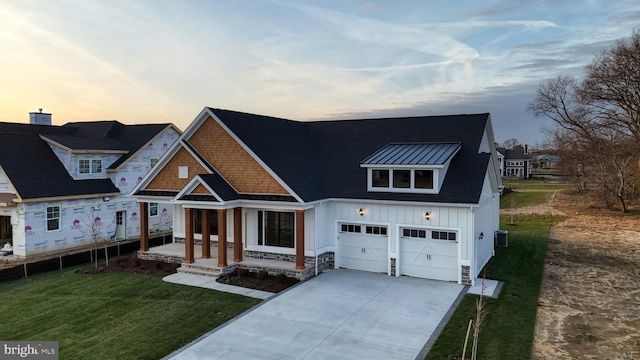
pixel 413 154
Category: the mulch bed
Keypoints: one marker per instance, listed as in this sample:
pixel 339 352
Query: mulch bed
pixel 255 281
pixel 132 265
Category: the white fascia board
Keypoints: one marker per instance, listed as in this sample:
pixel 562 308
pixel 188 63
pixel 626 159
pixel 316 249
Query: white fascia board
pixel 256 158
pixel 168 155
pixel 409 166
pixel 205 166
pixel 197 180
pixel 247 204
pixel 196 123
pixel 147 198
pixel 159 166
pixel 494 152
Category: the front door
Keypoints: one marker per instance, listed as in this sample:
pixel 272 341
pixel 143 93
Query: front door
pixel 121 218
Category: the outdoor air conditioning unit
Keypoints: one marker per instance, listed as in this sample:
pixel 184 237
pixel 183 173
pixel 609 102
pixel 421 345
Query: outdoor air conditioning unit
pixel 501 238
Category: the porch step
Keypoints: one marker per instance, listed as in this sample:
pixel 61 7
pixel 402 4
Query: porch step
pixel 204 269
pixel 203 272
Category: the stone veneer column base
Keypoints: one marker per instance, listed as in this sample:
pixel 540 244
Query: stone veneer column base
pixel 465 270
pixel 393 267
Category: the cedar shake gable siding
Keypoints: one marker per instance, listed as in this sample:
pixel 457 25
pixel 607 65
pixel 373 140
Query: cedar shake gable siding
pixel 232 161
pixel 200 189
pixel 167 178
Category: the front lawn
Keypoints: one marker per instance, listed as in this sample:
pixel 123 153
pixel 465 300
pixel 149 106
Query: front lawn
pixel 112 316
pixel 508 329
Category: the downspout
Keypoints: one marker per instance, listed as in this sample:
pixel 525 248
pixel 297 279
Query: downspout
pixel 315 240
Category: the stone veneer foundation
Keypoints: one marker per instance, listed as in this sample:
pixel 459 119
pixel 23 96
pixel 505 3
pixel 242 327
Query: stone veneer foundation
pixel 325 261
pixel 393 266
pixel 465 271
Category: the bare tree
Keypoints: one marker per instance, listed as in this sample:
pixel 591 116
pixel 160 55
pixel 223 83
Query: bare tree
pixel 597 120
pixel 511 144
pixel 93 229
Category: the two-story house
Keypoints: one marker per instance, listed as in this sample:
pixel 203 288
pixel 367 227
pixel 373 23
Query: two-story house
pixel 514 163
pixel 63 186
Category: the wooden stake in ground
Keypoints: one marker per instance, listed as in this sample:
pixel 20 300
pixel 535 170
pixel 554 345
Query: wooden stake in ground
pixel 466 338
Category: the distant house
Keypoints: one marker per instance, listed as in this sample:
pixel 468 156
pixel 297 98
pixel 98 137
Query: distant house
pixel 415 196
pixel 56 181
pixel 514 163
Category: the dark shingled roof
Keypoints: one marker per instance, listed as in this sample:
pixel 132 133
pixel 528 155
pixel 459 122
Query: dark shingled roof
pixel 516 154
pixel 35 171
pixel 321 159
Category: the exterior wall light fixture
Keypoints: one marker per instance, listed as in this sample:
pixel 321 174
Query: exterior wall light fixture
pixel 427 215
pixel 361 212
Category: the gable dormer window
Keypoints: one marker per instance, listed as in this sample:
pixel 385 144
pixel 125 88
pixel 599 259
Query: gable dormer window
pixel 93 166
pixel 417 168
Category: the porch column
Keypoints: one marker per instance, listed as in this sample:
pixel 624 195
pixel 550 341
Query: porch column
pixel 188 236
pixel 237 234
pixel 206 231
pixel 299 239
pixel 144 227
pixel 222 238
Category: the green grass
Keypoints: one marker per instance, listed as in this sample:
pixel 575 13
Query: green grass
pixel 517 199
pixel 112 316
pixel 508 329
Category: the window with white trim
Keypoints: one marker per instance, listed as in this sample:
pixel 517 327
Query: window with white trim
pixel 153 209
pixel 276 229
pixel 90 166
pixel 53 218
pixel 403 180
pixel 153 162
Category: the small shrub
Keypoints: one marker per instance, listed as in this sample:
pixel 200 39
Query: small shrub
pixel 262 274
pixel 159 265
pixel 136 261
pixel 242 272
pixel 282 278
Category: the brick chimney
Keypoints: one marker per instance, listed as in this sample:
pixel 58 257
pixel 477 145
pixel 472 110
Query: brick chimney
pixel 39 118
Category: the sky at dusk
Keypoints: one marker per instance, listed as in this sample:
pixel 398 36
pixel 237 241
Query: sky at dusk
pixel 163 61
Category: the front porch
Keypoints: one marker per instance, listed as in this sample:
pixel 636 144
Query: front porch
pixel 175 253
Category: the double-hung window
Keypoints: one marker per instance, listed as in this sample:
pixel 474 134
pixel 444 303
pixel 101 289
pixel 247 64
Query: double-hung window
pixel 153 209
pixel 53 218
pixel 90 166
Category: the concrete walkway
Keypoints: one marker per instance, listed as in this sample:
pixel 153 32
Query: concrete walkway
pixel 211 283
pixel 339 314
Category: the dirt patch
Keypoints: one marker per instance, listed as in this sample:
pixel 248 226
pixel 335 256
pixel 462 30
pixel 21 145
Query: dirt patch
pixel 133 265
pixel 251 280
pixel 589 305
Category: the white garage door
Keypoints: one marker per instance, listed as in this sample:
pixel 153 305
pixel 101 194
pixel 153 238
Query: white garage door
pixel 363 247
pixel 429 254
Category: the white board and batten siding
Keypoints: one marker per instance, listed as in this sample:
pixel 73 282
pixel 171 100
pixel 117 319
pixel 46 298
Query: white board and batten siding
pixel 423 257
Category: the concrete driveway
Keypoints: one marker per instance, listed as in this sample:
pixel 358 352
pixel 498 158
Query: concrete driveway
pixel 339 314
